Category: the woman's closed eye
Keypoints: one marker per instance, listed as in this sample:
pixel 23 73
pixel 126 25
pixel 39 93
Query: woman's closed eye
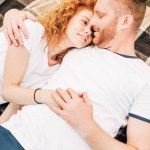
pixel 85 22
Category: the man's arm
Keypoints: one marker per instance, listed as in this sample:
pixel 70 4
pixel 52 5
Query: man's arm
pixel 78 112
pixel 138 137
pixel 13 24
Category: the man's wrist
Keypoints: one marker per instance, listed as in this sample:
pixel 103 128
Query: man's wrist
pixel 88 130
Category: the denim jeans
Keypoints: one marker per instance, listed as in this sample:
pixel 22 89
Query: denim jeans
pixel 8 141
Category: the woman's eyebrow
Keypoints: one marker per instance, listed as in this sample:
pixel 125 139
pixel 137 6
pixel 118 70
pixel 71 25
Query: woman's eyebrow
pixel 86 18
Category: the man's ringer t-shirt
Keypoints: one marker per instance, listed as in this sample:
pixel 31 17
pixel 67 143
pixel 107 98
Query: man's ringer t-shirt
pixel 118 86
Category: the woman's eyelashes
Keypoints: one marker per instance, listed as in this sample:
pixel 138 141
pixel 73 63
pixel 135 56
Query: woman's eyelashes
pixel 85 22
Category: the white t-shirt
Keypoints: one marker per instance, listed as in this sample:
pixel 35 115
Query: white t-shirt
pixel 118 86
pixel 38 71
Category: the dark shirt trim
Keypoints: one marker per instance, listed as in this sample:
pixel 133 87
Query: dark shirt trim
pixel 139 117
pixel 126 56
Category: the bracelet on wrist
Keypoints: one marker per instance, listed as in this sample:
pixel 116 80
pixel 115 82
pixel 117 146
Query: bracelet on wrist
pixel 34 96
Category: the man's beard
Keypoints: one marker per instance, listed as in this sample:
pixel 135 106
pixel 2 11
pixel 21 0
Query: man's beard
pixel 106 35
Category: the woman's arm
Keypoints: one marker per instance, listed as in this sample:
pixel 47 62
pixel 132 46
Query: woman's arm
pixel 10 110
pixel 16 64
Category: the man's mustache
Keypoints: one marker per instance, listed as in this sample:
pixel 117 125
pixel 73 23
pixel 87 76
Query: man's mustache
pixel 95 28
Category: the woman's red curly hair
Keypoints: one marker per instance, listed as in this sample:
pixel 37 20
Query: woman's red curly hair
pixel 55 22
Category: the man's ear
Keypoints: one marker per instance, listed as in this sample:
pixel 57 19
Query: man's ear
pixel 126 21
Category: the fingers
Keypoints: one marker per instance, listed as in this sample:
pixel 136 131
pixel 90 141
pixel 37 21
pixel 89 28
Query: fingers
pixel 64 94
pixel 57 110
pixel 73 93
pixel 7 37
pixel 28 15
pixel 80 94
pixel 86 99
pixel 58 100
pixel 23 28
pixel 11 35
pixel 17 34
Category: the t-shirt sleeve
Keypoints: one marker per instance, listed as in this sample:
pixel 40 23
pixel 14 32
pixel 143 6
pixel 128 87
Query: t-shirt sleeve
pixel 140 108
pixel 35 31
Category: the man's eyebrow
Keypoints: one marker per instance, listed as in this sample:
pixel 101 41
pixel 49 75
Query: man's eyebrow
pixel 100 12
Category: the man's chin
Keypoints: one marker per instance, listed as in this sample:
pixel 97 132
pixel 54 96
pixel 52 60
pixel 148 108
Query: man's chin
pixel 96 41
pixel 98 44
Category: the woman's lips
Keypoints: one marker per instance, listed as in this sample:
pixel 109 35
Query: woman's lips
pixel 83 37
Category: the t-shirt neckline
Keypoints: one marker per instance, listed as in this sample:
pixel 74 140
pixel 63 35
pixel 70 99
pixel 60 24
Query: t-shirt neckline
pixel 126 56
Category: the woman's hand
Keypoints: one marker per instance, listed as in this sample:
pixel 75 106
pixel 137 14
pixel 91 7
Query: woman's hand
pixel 74 108
pixel 13 21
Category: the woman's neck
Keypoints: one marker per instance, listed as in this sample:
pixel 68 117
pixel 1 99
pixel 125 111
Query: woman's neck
pixel 61 47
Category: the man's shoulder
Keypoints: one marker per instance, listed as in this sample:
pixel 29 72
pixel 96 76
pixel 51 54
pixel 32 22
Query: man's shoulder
pixel 144 68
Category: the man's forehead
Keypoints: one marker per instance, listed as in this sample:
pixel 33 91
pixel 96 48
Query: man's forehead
pixel 103 6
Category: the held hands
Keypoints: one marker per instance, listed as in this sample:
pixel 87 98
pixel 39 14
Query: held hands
pixel 74 108
pixel 13 21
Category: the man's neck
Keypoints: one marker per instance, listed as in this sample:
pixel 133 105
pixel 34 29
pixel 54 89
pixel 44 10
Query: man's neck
pixel 122 45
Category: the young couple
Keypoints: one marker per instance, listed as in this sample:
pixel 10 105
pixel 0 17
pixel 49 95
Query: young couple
pixel 117 82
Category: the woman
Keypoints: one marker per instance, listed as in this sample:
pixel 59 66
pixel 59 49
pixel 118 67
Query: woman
pixel 31 65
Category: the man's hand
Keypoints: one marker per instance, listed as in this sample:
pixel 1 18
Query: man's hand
pixel 13 21
pixel 74 108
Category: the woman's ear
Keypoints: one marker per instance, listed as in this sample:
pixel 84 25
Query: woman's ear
pixel 126 21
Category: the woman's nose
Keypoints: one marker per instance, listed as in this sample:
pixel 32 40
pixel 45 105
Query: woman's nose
pixel 88 30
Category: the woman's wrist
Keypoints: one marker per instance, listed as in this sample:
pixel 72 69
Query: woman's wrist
pixel 43 96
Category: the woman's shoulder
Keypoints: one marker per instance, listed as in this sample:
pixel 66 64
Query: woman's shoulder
pixel 32 23
pixel 34 26
pixel 35 32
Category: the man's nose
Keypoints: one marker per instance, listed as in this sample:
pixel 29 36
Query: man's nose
pixel 93 21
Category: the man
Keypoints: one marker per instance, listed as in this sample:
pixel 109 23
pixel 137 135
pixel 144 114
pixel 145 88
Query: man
pixel 117 82
pixel 116 24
